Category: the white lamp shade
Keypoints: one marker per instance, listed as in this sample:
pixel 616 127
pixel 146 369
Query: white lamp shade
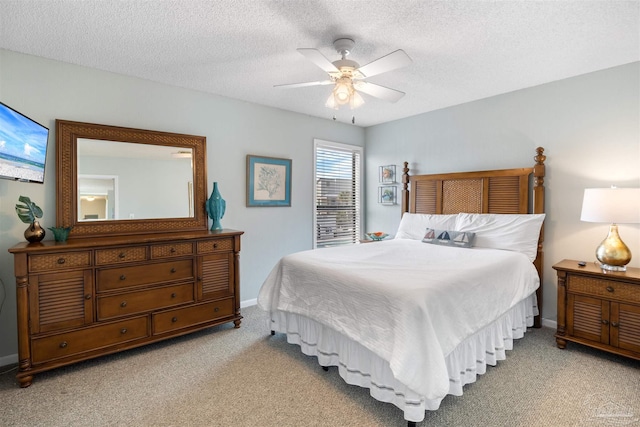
pixel 611 205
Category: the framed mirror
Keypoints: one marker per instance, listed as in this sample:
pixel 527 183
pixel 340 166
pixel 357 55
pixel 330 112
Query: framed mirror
pixel 119 181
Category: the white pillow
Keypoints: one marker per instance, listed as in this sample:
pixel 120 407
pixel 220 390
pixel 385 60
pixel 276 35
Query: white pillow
pixel 517 233
pixel 413 226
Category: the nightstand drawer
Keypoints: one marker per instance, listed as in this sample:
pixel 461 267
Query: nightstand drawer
pixel 608 289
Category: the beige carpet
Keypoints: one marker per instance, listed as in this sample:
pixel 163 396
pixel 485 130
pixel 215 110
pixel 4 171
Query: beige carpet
pixel 246 377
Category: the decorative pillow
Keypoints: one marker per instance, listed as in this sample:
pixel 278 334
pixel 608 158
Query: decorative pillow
pixel 510 232
pixel 460 239
pixel 412 225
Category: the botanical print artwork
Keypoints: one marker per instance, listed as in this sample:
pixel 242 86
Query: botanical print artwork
pixel 387 174
pixel 387 195
pixel 269 182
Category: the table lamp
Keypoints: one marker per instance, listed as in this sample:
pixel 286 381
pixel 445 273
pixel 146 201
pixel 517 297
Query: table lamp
pixel 615 206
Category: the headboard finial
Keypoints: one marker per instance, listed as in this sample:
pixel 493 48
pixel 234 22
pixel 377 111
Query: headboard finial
pixel 405 189
pixel 540 157
pixel 538 169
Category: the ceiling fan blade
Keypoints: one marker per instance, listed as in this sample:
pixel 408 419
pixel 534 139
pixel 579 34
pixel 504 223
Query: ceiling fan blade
pixel 319 59
pixel 392 61
pixel 378 91
pixel 294 85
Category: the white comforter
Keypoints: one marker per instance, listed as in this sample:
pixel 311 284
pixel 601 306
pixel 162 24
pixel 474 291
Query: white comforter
pixel 409 302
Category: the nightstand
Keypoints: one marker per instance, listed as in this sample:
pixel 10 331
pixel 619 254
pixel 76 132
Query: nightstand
pixel 599 308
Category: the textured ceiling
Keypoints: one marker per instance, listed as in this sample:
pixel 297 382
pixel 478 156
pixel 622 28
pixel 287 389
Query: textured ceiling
pixel 461 50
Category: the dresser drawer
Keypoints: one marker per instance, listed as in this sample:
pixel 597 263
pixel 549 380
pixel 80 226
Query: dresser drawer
pixel 171 250
pixel 143 301
pixel 189 316
pixel 161 272
pixel 217 245
pixel 83 340
pixel 59 261
pixel 608 289
pixel 120 255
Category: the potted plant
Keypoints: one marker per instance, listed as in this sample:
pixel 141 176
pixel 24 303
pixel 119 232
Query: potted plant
pixel 28 212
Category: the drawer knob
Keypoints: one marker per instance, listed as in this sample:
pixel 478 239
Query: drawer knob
pixel 123 331
pixel 173 295
pixel 217 309
pixel 60 260
pixel 63 344
pixel 172 250
pixel 215 246
pixel 609 289
pixel 121 255
pixel 173 270
pixel 605 322
pixel 123 304
pixel 123 277
pixel 174 319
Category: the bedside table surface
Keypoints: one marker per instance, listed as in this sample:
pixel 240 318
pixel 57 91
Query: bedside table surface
pixel 632 273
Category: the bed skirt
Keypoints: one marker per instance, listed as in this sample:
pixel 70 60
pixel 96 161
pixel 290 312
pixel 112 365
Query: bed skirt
pixel 359 366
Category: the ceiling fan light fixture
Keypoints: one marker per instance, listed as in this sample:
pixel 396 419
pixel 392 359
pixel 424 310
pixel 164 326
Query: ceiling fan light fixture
pixel 342 93
pixel 356 100
pixel 331 102
pixel 348 76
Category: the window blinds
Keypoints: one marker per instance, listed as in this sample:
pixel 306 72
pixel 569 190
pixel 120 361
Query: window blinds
pixel 337 194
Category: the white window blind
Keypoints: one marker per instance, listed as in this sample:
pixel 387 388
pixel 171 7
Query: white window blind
pixel 337 194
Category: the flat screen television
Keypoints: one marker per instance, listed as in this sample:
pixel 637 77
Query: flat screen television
pixel 23 146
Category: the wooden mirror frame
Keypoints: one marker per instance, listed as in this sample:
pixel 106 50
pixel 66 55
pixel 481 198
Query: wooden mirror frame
pixel 67 134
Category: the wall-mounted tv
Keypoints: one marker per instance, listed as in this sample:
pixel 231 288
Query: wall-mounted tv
pixel 23 146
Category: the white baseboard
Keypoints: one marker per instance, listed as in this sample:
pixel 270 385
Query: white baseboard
pixel 549 323
pixel 248 303
pixel 10 359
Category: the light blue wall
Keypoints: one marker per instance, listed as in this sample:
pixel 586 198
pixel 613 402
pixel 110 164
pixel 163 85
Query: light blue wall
pixel 589 126
pixel 47 90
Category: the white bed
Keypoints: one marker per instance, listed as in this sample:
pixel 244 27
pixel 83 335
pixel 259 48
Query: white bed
pixel 415 321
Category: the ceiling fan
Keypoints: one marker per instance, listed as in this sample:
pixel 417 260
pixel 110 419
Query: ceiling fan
pixel 348 76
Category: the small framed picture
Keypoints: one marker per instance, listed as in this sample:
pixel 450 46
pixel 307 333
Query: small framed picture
pixel 268 181
pixel 387 174
pixel 387 195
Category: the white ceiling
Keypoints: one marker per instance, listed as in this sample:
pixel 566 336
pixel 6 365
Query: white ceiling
pixel 461 50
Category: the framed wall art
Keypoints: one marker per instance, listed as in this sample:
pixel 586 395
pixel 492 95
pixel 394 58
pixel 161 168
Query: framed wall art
pixel 387 195
pixel 387 174
pixel 268 181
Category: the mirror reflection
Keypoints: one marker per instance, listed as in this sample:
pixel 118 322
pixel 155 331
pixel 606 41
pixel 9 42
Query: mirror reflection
pixel 97 197
pixel 121 180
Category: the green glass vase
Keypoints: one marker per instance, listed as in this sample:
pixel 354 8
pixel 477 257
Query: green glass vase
pixel 216 207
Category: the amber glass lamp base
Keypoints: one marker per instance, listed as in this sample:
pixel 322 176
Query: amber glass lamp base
pixel 612 253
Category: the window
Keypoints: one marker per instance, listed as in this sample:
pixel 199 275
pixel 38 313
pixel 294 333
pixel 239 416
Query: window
pixel 337 213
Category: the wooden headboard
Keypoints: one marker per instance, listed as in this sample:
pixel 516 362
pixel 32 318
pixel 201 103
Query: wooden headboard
pixel 505 191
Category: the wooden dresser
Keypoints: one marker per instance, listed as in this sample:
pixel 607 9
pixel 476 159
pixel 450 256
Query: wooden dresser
pixel 85 298
pixel 599 309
